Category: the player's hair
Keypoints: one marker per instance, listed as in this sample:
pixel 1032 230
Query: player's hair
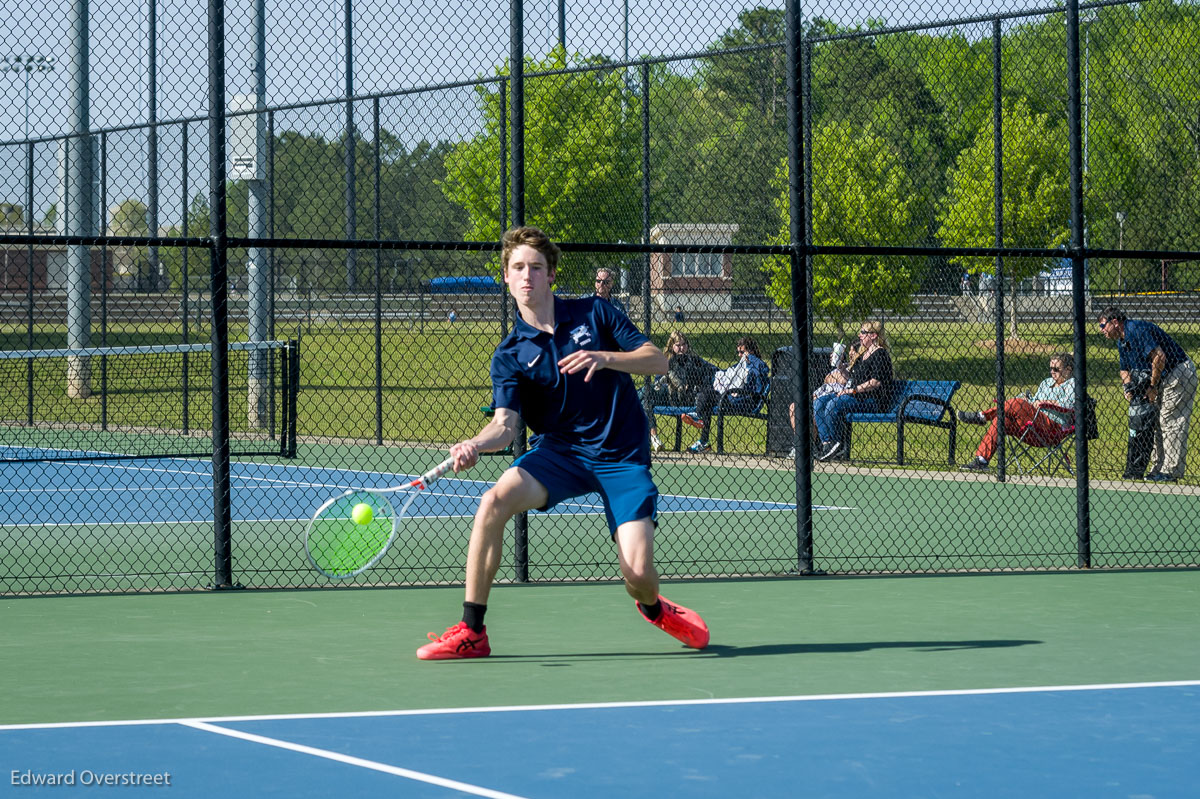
pixel 750 344
pixel 529 237
pixel 1112 314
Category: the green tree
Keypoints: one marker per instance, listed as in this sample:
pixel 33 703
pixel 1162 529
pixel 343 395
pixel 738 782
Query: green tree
pixel 861 192
pixel 958 76
pixel 737 131
pixel 1144 137
pixel 582 163
pixel 1036 199
pixel 860 83
pixel 309 200
pixel 129 218
pixel 12 215
pixel 756 79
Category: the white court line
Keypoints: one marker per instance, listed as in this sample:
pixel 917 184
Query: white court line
pixel 1031 689
pixel 592 511
pixel 249 478
pixel 113 490
pixel 200 464
pixel 417 776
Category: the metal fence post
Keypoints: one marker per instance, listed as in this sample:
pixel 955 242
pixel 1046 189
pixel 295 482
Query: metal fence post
pixel 517 127
pixel 800 238
pixel 1078 256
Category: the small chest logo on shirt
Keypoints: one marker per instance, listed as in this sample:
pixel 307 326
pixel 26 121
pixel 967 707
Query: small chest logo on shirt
pixel 581 335
pixel 533 363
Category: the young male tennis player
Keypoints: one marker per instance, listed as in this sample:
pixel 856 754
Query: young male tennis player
pixel 565 368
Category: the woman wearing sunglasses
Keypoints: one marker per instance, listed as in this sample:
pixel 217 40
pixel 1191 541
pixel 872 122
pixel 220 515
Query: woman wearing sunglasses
pixel 1053 394
pixel 867 389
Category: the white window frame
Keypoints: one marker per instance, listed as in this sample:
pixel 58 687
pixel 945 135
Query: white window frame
pixel 697 264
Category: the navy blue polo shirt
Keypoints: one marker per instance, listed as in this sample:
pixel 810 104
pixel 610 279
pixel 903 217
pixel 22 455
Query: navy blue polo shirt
pixel 1141 339
pixel 601 419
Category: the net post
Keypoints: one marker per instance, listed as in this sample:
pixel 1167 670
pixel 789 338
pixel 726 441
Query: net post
pixel 292 394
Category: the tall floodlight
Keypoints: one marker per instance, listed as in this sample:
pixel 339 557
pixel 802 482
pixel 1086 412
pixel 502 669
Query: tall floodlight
pixel 1120 246
pixel 260 279
pixel 625 34
pixel 351 180
pixel 28 64
pixel 80 207
pixel 156 267
pixel 247 151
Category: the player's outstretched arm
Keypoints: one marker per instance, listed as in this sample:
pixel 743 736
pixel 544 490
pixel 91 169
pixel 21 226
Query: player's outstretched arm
pixel 495 436
pixel 645 360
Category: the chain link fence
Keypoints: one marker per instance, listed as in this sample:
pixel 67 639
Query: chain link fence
pixel 980 182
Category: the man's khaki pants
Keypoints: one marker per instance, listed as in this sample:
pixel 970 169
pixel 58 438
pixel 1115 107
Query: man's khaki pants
pixel 1174 416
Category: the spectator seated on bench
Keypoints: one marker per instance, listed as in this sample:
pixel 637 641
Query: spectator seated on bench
pixel 724 409
pixel 867 389
pixel 923 402
pixel 741 389
pixel 687 373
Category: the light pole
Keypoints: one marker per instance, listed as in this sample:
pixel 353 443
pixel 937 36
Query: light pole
pixel 1087 17
pixel 562 26
pixel 1120 246
pixel 28 64
pixel 625 33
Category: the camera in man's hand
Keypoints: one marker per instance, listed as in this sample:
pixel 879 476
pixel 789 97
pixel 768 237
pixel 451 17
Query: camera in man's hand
pixel 1138 385
pixel 1142 412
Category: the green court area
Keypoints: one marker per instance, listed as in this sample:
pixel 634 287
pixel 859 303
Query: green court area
pixel 266 652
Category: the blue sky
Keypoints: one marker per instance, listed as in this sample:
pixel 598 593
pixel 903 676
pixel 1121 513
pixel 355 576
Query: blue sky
pixel 398 44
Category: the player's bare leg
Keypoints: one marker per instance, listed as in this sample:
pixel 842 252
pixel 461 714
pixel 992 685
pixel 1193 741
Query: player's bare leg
pixel 635 552
pixel 514 492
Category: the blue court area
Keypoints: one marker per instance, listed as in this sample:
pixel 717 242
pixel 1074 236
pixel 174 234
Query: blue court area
pixel 120 492
pixel 1087 741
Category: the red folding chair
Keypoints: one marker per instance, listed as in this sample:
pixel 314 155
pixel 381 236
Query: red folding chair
pixel 1033 451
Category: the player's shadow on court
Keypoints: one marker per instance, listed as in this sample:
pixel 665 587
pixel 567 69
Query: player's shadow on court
pixel 809 648
pixel 727 651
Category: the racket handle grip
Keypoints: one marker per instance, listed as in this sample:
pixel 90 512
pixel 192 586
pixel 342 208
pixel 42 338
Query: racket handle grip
pixel 434 474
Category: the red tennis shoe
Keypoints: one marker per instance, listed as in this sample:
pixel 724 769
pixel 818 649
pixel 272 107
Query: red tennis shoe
pixel 459 641
pixel 679 622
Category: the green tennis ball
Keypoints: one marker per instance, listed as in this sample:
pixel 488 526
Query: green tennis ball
pixel 362 513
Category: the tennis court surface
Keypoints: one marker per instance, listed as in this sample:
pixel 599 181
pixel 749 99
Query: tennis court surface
pixel 1079 684
pixel 263 492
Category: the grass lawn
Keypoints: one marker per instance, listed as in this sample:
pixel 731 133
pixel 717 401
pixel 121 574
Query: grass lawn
pixel 435 377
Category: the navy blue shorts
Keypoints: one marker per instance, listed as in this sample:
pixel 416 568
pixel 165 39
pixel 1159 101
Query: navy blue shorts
pixel 627 489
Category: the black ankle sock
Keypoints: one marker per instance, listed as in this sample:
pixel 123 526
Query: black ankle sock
pixel 473 616
pixel 653 611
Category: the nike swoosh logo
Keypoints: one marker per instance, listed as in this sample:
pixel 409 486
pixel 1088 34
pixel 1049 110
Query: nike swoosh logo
pixel 532 363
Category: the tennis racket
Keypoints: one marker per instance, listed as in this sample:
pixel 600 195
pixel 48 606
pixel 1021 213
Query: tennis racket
pixel 343 541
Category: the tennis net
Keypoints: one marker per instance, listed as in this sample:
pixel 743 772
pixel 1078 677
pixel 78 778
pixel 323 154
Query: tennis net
pixel 151 401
